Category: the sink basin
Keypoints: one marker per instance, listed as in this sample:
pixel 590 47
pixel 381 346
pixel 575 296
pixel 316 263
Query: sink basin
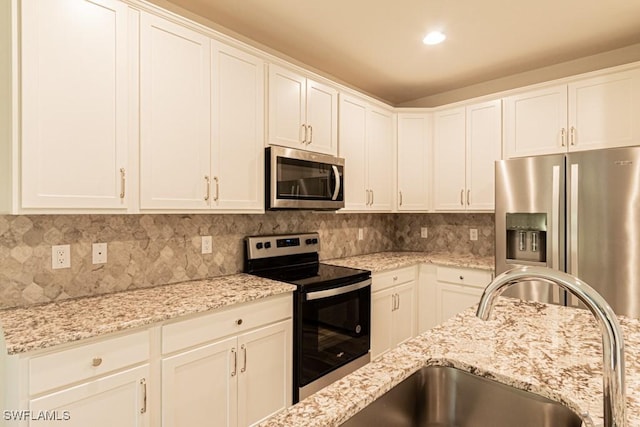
pixel 438 396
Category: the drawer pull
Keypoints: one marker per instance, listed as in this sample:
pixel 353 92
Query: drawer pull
pixel 97 361
pixel 239 322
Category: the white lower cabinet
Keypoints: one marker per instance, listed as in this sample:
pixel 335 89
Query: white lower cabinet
pixel 393 309
pixel 223 379
pixel 105 382
pixel 458 289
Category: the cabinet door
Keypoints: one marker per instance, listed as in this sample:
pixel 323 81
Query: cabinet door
pixel 74 119
pixel 265 370
pixel 175 74
pixel 287 105
pixel 405 313
pixel 199 387
pixel 536 122
pixel 381 321
pixel 604 111
pixel 449 159
pixel 322 118
pixel 414 162
pixel 484 147
pixel 115 400
pixel 237 129
pixel 380 155
pixel 452 299
pixel 353 148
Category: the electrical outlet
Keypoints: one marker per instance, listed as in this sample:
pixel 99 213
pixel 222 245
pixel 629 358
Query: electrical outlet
pixel 360 233
pixel 99 253
pixel 424 232
pixel 207 244
pixel 473 234
pixel 60 256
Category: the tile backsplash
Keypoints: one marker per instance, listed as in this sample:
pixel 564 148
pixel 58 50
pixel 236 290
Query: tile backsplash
pixel 149 250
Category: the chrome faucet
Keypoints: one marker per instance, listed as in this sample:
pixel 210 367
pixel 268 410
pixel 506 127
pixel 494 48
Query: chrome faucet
pixel 612 339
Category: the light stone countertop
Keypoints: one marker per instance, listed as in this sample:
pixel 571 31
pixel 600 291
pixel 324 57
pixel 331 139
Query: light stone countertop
pixel 43 326
pixel 382 261
pixel 553 351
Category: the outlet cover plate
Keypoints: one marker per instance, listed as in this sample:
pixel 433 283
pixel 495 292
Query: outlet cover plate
pixel 424 232
pixel 207 244
pixel 360 233
pixel 60 256
pixel 473 234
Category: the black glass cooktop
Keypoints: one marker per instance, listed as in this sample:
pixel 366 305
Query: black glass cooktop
pixel 316 275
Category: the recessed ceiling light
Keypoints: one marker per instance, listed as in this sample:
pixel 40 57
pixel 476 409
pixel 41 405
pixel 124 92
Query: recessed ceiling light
pixel 434 37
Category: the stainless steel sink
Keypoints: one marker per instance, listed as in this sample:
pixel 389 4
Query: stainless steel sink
pixel 437 396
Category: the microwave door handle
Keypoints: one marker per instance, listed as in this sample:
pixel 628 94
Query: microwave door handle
pixel 337 175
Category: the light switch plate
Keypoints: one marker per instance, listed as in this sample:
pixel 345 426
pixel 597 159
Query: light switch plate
pixel 99 253
pixel 424 232
pixel 360 233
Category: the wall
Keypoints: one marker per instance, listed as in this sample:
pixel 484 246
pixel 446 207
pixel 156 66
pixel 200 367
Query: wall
pixel 149 250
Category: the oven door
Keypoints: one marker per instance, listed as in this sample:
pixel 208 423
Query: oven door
pixel 303 180
pixel 335 329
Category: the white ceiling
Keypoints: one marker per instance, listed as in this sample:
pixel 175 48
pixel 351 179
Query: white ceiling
pixel 376 45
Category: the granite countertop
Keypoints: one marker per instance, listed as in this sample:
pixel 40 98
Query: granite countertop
pixel 43 326
pixel 382 261
pixel 549 350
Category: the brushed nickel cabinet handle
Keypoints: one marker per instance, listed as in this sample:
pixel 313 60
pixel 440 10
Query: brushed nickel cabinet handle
pixel 398 299
pixel 97 361
pixel 563 137
pixel 208 192
pixel 468 197
pixel 400 197
pixel 235 362
pixel 573 135
pixel 123 181
pixel 143 383
pixel 310 135
pixel 217 196
pixel 372 198
pixel 244 354
pixel 304 140
pixel 462 197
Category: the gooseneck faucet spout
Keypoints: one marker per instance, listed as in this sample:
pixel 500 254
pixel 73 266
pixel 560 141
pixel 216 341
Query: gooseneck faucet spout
pixel 612 339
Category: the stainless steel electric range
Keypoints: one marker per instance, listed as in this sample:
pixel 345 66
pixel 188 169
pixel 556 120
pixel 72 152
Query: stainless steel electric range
pixel 332 308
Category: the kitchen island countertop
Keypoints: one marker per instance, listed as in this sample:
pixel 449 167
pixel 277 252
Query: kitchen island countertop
pixel 553 351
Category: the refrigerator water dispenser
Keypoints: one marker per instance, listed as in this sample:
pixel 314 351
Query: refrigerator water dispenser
pixel 527 237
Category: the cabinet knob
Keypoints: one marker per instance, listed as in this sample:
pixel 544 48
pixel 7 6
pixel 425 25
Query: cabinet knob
pixel 97 361
pixel 461 277
pixel 395 278
pixel 239 322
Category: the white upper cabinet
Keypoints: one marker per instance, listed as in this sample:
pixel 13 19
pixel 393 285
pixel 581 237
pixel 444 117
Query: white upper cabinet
pixel 414 161
pixel 74 124
pixel 237 129
pixel 591 113
pixel 175 98
pixel 367 145
pixel 303 113
pixel 467 143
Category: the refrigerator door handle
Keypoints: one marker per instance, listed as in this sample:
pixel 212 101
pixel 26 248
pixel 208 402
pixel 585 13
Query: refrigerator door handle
pixel 573 230
pixel 555 219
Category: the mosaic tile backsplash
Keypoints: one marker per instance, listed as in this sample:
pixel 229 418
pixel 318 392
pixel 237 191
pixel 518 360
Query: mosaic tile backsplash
pixel 149 250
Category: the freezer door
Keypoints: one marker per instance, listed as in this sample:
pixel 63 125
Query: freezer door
pixel 603 224
pixel 530 225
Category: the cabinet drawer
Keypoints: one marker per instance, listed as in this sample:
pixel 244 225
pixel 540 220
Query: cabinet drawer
pixel 391 278
pixel 464 276
pixel 86 361
pixel 188 333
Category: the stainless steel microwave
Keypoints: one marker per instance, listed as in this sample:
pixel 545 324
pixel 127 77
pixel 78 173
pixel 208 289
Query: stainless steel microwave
pixel 297 179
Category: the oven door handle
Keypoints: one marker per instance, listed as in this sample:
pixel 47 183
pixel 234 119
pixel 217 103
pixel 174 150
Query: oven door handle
pixel 337 291
pixel 337 175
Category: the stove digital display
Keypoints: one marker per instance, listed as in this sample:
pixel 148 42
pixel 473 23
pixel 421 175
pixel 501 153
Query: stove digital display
pixel 285 243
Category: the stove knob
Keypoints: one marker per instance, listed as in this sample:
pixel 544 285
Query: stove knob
pixel 308 241
pixel 267 245
pixel 259 245
pixel 314 241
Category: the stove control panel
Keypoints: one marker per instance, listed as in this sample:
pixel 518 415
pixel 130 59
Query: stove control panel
pixel 282 244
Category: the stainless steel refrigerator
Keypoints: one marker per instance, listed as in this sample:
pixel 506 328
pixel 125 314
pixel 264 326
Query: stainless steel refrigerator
pixel 577 212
